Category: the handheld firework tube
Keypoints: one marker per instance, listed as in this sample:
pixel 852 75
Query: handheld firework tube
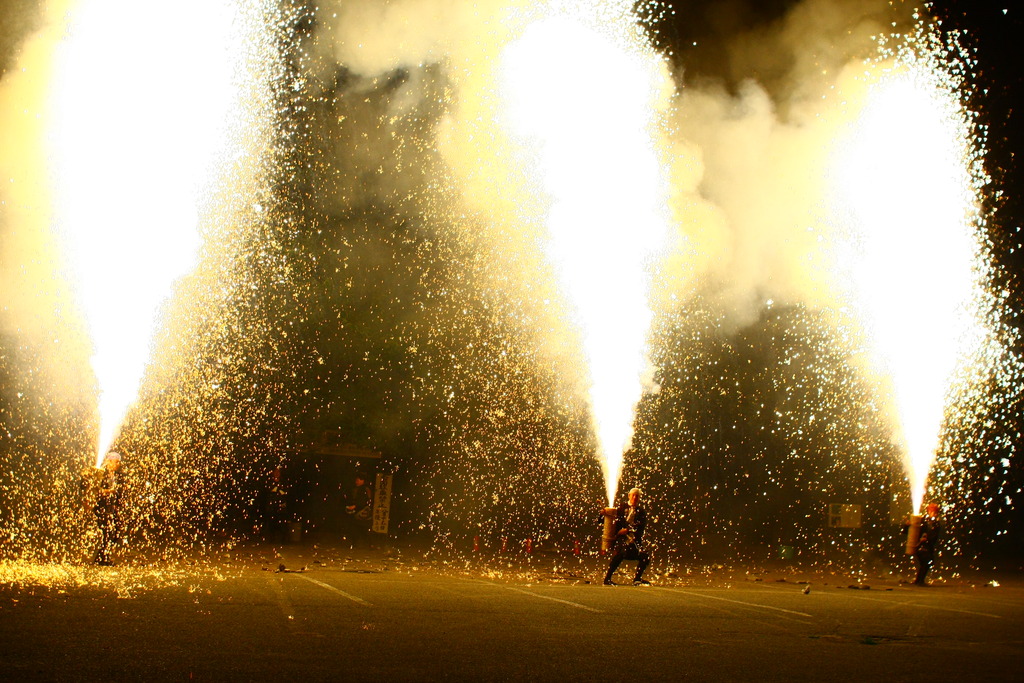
pixel 608 537
pixel 913 533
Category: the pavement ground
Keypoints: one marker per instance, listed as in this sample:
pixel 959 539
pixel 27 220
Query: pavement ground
pixel 316 614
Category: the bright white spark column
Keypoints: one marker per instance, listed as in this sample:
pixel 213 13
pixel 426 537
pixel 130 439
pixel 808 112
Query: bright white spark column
pixel 145 101
pixel 593 128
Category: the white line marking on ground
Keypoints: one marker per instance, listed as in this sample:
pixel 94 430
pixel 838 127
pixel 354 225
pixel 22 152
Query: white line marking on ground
pixel 738 602
pixel 547 597
pixel 334 590
pixel 916 604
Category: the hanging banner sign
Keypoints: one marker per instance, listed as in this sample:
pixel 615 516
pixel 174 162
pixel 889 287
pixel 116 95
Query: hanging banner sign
pixel 382 503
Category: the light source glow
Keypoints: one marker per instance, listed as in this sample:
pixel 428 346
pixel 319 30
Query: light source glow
pixel 593 135
pixel 907 180
pixel 144 99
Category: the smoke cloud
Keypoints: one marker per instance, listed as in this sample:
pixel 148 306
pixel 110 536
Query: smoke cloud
pixel 759 100
pixel 760 126
pixel 37 308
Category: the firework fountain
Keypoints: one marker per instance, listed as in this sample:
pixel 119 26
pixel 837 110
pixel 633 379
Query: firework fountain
pixel 141 130
pixel 910 180
pixel 905 178
pixel 606 193
pixel 140 145
pixel 577 164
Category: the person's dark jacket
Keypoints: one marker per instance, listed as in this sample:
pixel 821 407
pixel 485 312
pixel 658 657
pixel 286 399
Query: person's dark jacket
pixel 635 532
pixel 108 501
pixel 931 530
pixel 362 499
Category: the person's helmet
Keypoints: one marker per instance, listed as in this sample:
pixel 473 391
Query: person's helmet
pixel 933 509
pixel 112 455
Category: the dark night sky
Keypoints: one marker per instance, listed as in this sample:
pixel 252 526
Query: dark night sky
pixel 996 37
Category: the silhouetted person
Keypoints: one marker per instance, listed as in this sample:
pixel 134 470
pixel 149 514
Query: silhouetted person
pixel 360 511
pixel 108 507
pixel 630 521
pixel 927 544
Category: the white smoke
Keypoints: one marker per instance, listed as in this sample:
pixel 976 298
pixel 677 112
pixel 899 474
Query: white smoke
pixel 748 149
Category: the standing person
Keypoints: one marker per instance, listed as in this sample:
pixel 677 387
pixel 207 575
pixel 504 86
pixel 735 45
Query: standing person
pixel 630 522
pixel 360 510
pixel 108 507
pixel 924 553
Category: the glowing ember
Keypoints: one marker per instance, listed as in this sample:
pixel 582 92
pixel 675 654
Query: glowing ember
pixel 909 180
pixel 596 157
pixel 137 127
